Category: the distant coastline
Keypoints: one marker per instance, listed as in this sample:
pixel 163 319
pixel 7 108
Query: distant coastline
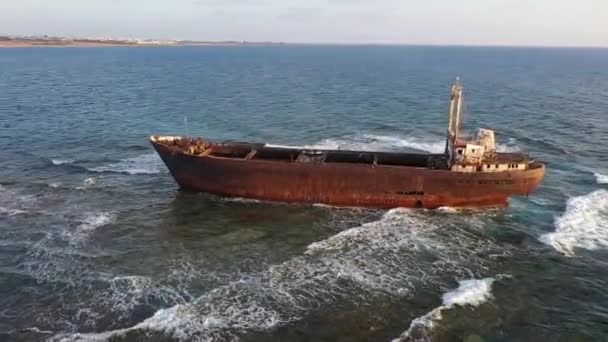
pixel 46 41
pixel 7 41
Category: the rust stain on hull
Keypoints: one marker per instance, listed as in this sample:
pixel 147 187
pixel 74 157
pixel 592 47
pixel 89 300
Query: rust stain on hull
pixel 345 184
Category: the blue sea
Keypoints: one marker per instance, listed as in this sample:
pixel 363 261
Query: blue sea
pixel 98 244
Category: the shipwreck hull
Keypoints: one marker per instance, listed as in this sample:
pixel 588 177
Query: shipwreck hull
pixel 345 184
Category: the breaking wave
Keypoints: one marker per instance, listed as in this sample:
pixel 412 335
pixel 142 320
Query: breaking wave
pixel 390 257
pixel 471 292
pixel 583 224
pixel 600 178
pixel 62 161
pixel 126 292
pixel 36 330
pixel 100 298
pixel 144 164
pixel 370 142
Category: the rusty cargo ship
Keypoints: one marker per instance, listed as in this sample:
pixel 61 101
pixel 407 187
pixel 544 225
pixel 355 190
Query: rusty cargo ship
pixel 470 172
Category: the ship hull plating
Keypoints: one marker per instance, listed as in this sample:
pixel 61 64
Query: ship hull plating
pixel 337 184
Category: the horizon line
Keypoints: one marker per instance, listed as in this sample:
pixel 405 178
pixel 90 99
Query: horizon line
pixel 313 43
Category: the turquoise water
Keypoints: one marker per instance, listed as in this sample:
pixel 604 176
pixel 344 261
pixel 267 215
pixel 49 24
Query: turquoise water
pixel 97 243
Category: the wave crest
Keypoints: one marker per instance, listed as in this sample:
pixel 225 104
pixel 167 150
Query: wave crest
pixel 61 161
pixel 600 178
pixel 144 164
pixel 473 292
pixel 583 224
pixel 393 256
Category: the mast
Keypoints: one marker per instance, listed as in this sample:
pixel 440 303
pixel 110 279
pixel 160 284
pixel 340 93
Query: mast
pixel 451 110
pixel 458 108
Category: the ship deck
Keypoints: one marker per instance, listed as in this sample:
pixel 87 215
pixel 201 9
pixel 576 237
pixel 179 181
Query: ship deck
pixel 255 151
pixel 258 151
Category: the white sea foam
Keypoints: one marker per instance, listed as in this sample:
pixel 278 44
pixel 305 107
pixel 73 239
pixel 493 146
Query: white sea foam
pixel 370 142
pixel 174 321
pixel 131 284
pixel 95 220
pixel 144 164
pixel 335 207
pixel 240 200
pixel 450 210
pixel 50 261
pixel 384 143
pixel 11 212
pixel 583 224
pixel 61 161
pixel 126 292
pixel 470 292
pixel 379 233
pixel 12 202
pixel 473 292
pixel 390 256
pixel 90 181
pixel 36 330
pixel 88 224
pixel 601 178
pixel 14 197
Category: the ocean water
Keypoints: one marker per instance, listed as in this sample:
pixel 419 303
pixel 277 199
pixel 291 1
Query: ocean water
pixel 97 243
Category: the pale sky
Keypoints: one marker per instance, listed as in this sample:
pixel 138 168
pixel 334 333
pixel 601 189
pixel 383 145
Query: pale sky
pixel 463 22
